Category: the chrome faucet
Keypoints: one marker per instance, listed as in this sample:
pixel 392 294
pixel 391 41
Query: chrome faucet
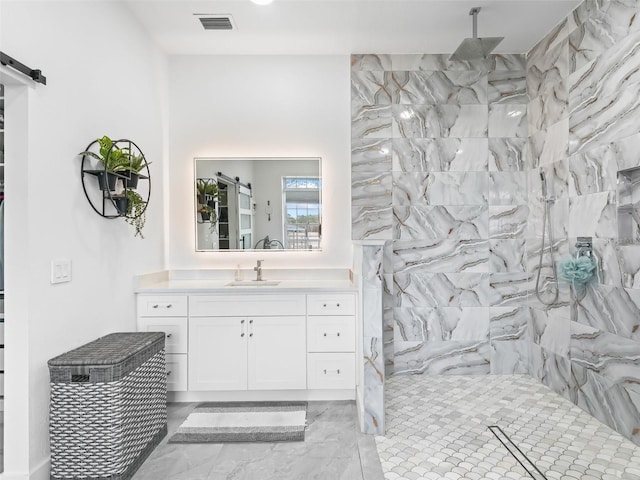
pixel 258 270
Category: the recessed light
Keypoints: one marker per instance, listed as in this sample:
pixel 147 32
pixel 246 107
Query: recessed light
pixel 262 2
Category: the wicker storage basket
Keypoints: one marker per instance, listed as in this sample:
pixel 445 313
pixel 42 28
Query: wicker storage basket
pixel 108 406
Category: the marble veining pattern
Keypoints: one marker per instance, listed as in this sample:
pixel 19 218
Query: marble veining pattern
pixel 373 338
pixel 593 215
pixel 372 223
pixel 603 120
pixel 507 222
pixel 546 147
pixel 440 154
pixel 444 256
pixel 440 87
pixel 440 222
pixel 507 87
pixel 458 144
pixel 593 171
pixel 507 255
pixel 419 289
pixel 507 120
pixel 508 188
pixel 425 324
pixel 435 121
pixel 438 429
pixel 508 154
pixel 440 188
pixel 461 357
pixel 371 155
pixel 606 74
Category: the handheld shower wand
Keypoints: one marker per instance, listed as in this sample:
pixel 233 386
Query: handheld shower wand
pixel 543 179
pixel 546 223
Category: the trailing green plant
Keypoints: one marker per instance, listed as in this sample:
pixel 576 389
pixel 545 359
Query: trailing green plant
pixel 136 211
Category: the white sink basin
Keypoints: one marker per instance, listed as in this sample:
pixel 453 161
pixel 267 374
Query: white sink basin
pixel 254 283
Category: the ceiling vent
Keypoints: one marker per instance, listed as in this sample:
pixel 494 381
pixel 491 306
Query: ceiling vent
pixel 216 22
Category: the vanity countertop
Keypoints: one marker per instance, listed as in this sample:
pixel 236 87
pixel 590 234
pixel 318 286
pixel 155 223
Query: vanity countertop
pixel 219 281
pixel 222 286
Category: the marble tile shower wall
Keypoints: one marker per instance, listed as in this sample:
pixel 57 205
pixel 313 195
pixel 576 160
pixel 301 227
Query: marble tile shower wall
pixel 439 173
pixel 583 81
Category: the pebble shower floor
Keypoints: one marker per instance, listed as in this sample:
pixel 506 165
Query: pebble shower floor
pixel 437 428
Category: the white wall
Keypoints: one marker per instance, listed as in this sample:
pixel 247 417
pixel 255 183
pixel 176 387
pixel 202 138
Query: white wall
pixel 104 77
pixel 260 106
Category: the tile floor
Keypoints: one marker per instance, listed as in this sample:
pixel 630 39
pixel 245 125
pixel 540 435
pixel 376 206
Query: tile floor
pixel 437 428
pixel 333 450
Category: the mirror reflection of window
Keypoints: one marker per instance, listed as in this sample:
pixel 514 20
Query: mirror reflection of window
pixel 302 207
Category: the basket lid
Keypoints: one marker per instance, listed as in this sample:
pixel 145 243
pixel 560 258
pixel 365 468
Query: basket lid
pixel 111 349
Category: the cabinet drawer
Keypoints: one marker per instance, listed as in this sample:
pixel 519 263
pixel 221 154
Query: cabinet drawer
pixel 331 333
pixel 176 372
pixel 331 370
pixel 243 305
pixel 1 333
pixel 162 305
pixel 175 328
pixel 337 304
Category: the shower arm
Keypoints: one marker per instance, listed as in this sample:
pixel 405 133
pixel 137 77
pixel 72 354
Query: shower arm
pixel 474 12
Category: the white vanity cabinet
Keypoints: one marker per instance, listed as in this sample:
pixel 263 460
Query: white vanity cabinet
pixel 252 345
pixel 168 313
pixel 331 330
pixel 240 342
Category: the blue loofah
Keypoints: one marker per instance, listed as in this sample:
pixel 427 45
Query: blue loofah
pixel 577 271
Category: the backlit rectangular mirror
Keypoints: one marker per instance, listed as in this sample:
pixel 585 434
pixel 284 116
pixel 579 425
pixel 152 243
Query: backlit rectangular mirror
pixel 258 204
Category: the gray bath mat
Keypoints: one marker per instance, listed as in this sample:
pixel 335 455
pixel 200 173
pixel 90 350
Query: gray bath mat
pixel 224 422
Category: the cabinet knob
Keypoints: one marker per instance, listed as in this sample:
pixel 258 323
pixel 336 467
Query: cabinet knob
pixel 169 306
pixel 155 306
pixel 169 335
pixel 242 322
pixel 250 321
pixel 337 304
pixel 251 334
pixel 168 373
pixel 338 334
pixel 242 334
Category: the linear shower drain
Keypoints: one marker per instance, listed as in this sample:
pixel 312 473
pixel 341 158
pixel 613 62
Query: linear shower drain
pixel 516 453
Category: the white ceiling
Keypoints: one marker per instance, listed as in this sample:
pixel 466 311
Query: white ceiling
pixel 346 26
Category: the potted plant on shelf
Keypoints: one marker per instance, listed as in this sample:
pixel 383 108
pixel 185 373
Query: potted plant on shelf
pixel 133 168
pixel 114 160
pixel 207 191
pixel 207 195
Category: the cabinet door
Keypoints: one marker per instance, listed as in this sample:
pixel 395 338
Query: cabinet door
pixel 176 372
pixel 218 353
pixel 277 353
pixel 175 329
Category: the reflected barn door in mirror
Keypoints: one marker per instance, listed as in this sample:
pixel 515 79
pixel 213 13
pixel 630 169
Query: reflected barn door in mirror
pixel 262 204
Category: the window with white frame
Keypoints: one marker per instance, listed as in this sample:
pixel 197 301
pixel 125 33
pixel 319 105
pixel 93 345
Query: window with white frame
pixel 303 212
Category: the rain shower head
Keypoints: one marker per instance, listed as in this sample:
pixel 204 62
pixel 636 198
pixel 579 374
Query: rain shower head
pixel 475 48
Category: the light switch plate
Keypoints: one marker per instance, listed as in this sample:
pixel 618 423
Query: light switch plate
pixel 60 271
